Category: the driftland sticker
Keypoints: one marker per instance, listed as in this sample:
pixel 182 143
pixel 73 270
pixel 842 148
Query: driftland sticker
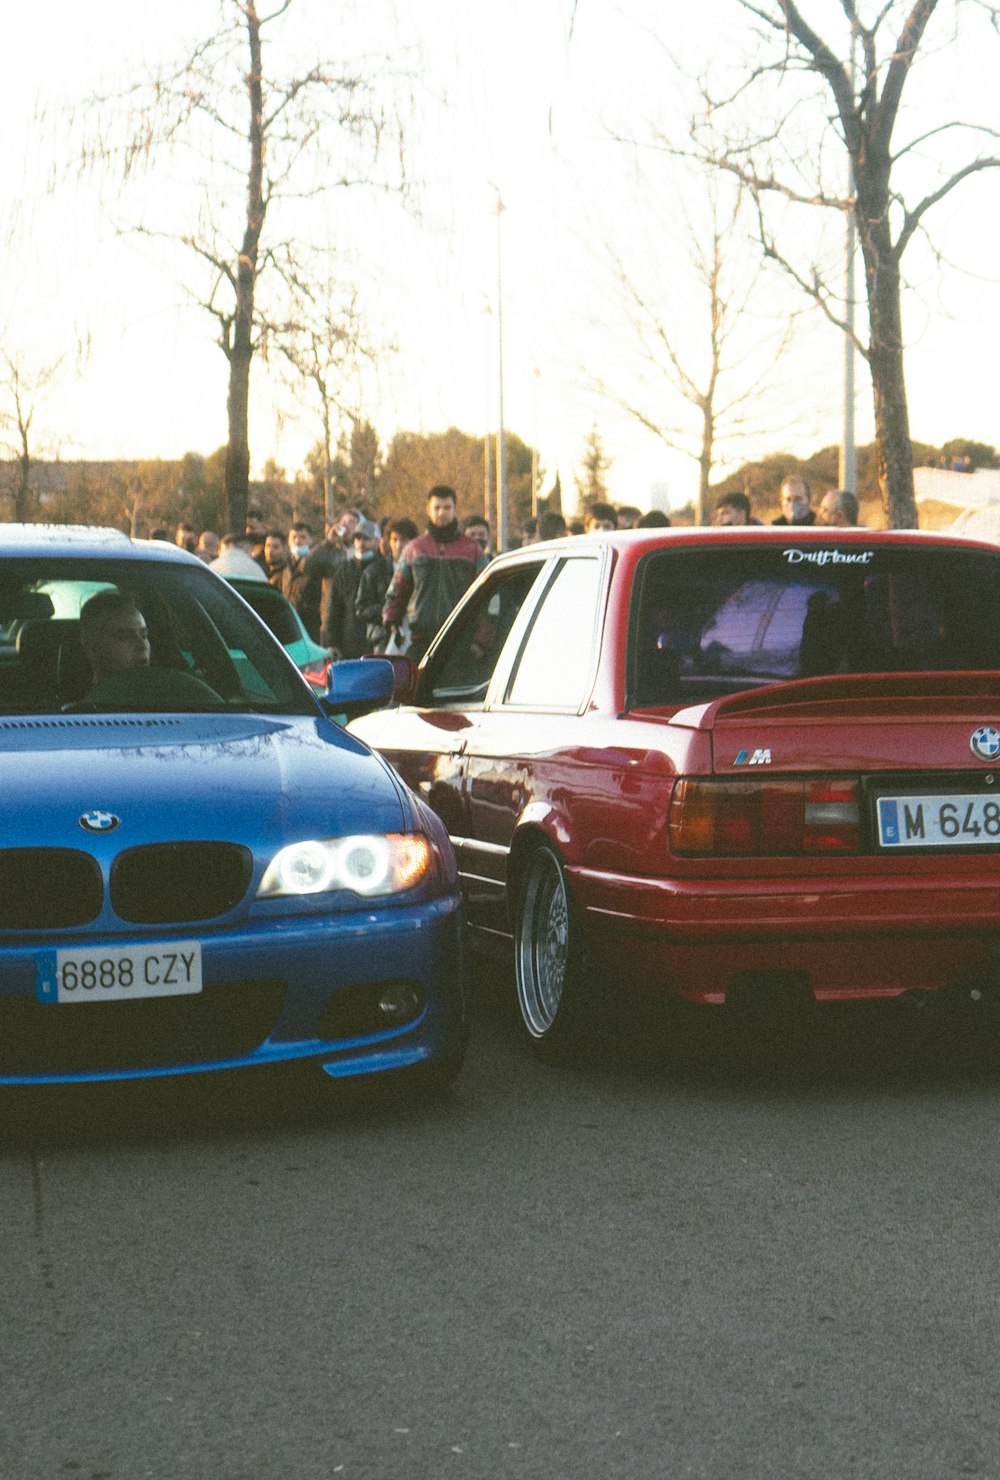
pixel 830 557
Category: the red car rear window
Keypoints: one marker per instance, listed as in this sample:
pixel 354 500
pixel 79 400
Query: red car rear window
pixel 711 621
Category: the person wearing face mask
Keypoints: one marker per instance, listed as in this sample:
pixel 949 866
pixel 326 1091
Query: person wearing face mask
pixel 302 577
pixel 375 577
pixel 795 495
pixel 344 631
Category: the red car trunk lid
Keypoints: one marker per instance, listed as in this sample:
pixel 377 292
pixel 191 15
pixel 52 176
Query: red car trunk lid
pixel 852 723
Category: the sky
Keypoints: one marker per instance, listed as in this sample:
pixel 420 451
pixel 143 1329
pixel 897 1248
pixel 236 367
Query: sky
pixel 543 105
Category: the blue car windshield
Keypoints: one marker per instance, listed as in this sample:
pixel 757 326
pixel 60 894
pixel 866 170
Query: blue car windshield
pixel 709 622
pixel 205 649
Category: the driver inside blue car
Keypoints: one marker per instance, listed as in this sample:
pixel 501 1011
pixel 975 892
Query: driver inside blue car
pixel 113 634
pixel 115 642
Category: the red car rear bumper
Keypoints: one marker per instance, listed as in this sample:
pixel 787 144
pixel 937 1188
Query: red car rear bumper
pixel 865 937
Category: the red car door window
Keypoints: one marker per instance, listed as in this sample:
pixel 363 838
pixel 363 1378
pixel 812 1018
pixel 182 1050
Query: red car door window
pixel 555 667
pixel 458 673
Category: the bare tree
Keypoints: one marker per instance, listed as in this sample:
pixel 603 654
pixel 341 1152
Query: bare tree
pixel 323 343
pixel 773 131
pixel 21 390
pixel 258 145
pixel 721 367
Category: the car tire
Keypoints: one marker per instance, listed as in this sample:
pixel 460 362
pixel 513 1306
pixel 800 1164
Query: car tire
pixel 554 980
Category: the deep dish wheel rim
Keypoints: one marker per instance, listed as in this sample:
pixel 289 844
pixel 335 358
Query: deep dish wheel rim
pixel 543 948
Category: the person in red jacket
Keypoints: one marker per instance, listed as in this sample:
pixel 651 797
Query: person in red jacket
pixel 433 572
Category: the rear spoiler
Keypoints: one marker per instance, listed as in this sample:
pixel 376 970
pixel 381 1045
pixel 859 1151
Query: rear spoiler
pixel 843 692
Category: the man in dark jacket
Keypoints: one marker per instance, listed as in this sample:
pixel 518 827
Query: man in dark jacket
pixel 433 573
pixel 275 557
pixel 302 578
pixel 325 559
pixel 372 587
pixel 344 631
pixel 795 495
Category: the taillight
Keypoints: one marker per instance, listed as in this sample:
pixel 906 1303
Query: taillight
pixel 317 674
pixel 831 817
pixel 765 818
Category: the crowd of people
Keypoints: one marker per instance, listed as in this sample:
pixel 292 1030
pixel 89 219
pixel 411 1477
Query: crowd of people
pixel 361 588
pixel 365 588
pixel 837 509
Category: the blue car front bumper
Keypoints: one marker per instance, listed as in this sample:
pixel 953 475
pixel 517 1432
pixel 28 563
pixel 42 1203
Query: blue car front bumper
pixel 274 989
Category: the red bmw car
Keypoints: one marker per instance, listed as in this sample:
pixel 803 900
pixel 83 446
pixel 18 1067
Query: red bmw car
pixel 713 764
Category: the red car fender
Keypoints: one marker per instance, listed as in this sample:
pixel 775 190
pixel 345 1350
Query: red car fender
pixel 540 822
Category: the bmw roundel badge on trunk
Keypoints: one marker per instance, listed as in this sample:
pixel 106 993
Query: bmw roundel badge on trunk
pixel 985 743
pixel 99 822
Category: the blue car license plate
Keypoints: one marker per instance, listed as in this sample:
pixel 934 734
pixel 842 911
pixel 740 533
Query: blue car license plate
pixel 119 973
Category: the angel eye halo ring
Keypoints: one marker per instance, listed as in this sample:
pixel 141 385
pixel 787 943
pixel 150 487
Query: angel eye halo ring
pixel 369 864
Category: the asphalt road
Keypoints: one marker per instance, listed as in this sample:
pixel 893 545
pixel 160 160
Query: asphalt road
pixel 719 1252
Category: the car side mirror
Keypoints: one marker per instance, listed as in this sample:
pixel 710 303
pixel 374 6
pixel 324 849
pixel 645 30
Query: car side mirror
pixel 359 685
pixel 404 676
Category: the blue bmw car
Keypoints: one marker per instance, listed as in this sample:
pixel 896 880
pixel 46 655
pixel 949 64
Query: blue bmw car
pixel 199 869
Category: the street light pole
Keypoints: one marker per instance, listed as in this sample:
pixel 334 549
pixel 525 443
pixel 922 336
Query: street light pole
pixel 534 449
pixel 489 500
pixel 487 514
pixel 501 439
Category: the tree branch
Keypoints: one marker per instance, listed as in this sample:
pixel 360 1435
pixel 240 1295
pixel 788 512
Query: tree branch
pixel 913 217
pixel 899 68
pixel 828 66
pixel 814 288
pixel 944 128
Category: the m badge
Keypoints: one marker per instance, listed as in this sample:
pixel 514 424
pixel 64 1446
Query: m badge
pixel 753 758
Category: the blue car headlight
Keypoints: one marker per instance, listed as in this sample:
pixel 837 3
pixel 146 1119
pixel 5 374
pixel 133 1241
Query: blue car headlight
pixel 370 864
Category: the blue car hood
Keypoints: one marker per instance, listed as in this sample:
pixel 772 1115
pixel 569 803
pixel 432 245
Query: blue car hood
pixel 205 776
